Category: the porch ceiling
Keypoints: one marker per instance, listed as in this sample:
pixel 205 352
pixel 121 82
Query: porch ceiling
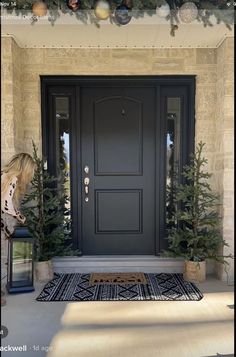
pixel 146 32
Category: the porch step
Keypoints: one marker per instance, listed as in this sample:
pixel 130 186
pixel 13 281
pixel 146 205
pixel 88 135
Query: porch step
pixel 117 263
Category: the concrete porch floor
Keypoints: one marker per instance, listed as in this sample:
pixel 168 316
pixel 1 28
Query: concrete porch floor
pixel 114 329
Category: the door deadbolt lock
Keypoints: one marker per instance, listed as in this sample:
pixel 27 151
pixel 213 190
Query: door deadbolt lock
pixel 86 181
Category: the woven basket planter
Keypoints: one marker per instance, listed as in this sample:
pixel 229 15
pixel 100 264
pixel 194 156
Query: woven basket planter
pixel 43 271
pixel 194 272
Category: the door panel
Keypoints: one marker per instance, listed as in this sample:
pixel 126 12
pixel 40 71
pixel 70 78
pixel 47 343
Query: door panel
pixel 115 130
pixel 118 211
pixel 118 146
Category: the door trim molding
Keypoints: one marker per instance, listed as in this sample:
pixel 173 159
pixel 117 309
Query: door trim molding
pixel 76 81
pixel 130 79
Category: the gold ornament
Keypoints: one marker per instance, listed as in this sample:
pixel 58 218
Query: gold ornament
pixel 188 12
pixel 39 8
pixel 102 10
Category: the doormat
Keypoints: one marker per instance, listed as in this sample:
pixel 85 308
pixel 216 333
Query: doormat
pixel 117 278
pixel 159 287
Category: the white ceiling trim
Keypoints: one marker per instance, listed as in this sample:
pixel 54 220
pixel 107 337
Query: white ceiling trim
pixel 24 45
pixel 143 33
pixel 223 38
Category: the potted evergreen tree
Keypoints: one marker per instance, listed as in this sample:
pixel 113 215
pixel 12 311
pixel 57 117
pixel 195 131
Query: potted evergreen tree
pixel 193 229
pixel 47 219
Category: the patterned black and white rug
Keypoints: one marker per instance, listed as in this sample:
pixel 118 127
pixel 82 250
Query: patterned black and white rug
pixel 76 287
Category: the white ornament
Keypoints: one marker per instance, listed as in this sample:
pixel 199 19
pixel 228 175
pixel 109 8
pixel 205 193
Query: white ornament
pixel 188 12
pixel 163 10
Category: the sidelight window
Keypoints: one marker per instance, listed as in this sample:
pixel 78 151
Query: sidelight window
pixel 172 152
pixel 62 151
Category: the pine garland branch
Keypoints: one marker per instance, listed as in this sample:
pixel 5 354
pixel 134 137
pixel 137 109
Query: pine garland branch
pixel 221 11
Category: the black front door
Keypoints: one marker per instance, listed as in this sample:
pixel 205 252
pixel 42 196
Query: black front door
pixel 117 139
pixel 118 170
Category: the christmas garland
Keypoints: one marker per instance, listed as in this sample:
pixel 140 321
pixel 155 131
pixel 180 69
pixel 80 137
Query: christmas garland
pixel 120 12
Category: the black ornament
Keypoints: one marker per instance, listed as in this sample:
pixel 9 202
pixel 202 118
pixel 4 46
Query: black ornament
pixel 123 14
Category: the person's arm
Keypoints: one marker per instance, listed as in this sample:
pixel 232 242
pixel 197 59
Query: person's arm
pixel 7 199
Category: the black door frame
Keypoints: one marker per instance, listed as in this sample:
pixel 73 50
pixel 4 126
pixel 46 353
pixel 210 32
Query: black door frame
pixel 58 84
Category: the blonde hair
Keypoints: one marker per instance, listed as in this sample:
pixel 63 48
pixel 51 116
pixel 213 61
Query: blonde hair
pixel 22 167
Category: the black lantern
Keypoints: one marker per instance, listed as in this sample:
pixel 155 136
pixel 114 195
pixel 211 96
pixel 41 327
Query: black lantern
pixel 20 271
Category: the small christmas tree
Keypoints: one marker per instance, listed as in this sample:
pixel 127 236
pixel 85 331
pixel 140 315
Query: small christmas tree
pixel 46 215
pixel 193 230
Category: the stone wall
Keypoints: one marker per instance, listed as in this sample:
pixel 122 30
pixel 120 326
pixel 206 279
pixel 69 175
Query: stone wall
pixel 224 164
pixel 12 128
pixel 206 64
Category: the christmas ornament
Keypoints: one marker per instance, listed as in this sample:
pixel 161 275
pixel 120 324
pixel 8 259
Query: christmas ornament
pixel 188 12
pixel 39 8
pixel 102 10
pixel 163 9
pixel 73 5
pixel 122 14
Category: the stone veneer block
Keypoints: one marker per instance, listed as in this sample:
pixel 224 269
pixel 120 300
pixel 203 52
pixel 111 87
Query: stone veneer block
pixel 169 64
pixel 33 56
pixel 229 89
pixel 228 105
pixel 229 50
pixel 206 56
pixel 207 77
pixel 188 55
